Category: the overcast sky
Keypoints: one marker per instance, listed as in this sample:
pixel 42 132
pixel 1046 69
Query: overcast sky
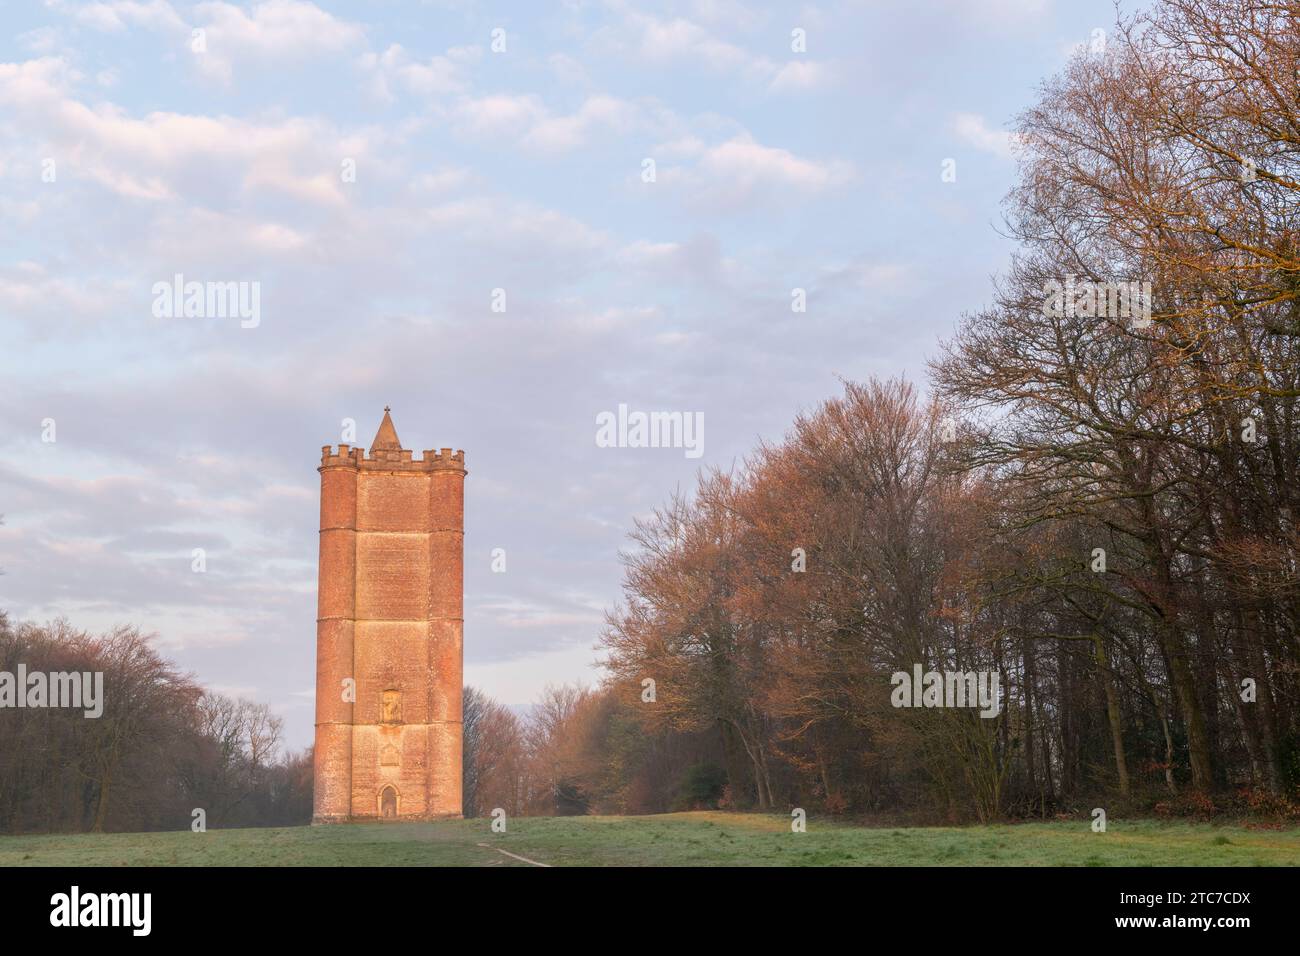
pixel 378 170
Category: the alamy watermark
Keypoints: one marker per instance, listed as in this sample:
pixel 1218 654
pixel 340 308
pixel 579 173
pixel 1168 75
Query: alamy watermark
pixel 626 429
pixel 981 689
pixel 78 690
pixel 208 300
pixel 75 908
pixel 1098 300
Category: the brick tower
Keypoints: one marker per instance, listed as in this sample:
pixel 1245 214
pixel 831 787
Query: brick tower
pixel 389 632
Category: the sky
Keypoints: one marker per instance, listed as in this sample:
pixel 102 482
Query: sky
pixel 503 220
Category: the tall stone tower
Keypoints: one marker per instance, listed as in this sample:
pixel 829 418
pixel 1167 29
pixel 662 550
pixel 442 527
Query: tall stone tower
pixel 389 632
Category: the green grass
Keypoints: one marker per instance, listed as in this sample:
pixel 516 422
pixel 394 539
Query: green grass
pixel 676 839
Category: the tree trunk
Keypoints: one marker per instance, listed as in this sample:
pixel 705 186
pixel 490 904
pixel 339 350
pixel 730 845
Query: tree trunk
pixel 1198 746
pixel 1112 713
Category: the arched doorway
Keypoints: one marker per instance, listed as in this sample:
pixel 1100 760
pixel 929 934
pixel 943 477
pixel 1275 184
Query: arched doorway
pixel 388 804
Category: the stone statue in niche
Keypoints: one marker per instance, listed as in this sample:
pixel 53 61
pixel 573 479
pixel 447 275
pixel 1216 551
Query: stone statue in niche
pixel 392 707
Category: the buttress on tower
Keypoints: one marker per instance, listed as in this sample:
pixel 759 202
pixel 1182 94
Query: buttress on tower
pixel 389 632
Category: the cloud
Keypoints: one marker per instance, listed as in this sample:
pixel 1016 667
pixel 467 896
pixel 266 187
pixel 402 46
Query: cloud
pixel 568 70
pixel 998 10
pixel 271 33
pixel 274 32
pixel 798 75
pixel 115 16
pixel 682 39
pixel 526 120
pixel 41 41
pixel 742 172
pixel 163 155
pixel 596 114
pixel 974 130
pixel 30 288
pixel 746 161
pixel 394 70
pixel 661 42
pixel 36 83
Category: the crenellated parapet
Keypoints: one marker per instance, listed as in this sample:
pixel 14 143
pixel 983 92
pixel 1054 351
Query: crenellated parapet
pixel 391 459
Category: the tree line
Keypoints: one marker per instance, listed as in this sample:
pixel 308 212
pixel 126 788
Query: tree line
pixel 163 747
pixel 1096 498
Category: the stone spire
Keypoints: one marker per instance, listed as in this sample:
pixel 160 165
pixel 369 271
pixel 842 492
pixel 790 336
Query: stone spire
pixel 386 438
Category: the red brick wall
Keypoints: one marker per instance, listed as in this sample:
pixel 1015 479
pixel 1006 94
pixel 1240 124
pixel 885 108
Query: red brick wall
pixel 390 617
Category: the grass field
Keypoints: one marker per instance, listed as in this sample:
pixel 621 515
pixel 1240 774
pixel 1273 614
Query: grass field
pixel 677 839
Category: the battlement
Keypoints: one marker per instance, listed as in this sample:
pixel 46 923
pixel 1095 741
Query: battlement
pixel 400 459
